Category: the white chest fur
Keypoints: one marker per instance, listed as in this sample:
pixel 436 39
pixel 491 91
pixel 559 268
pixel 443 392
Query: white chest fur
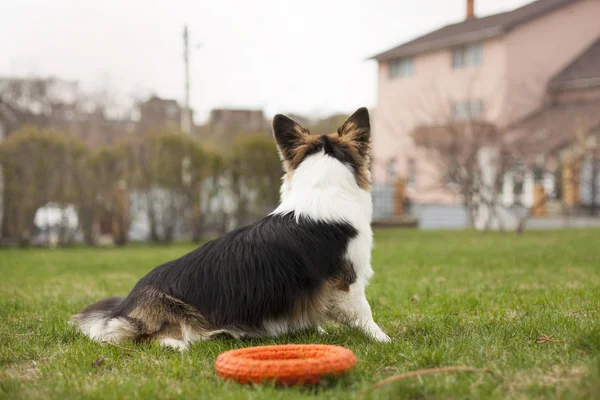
pixel 323 189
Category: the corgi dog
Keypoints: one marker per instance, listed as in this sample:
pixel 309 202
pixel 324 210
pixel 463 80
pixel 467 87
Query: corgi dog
pixel 306 263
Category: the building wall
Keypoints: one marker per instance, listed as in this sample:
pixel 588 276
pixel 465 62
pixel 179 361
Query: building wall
pixel 159 114
pixel 538 50
pixel 224 120
pixel 426 98
pixel 511 82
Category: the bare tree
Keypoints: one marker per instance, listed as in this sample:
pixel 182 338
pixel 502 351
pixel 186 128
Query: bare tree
pixel 465 148
pixel 255 174
pixel 36 166
pixel 172 196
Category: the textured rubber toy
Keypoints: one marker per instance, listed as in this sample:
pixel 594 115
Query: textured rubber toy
pixel 293 364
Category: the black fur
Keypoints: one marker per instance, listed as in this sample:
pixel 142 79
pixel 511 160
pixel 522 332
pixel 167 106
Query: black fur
pixel 339 153
pixel 103 306
pixel 254 273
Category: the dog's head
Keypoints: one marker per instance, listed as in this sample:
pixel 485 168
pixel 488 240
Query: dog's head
pixel 350 145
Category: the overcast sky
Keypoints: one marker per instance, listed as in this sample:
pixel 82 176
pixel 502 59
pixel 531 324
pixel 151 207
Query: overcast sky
pixel 301 56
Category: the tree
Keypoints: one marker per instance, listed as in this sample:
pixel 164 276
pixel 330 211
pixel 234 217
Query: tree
pixel 172 189
pixel 100 178
pixel 461 142
pixel 36 165
pixel 255 173
pixel 469 153
pixel 57 105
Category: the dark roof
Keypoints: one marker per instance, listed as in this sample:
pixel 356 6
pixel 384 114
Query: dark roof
pixel 553 127
pixel 156 99
pixel 583 72
pixel 474 29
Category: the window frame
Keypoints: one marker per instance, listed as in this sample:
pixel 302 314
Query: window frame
pixel 401 67
pixel 467 55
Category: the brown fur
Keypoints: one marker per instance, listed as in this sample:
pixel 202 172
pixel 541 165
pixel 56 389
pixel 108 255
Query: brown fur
pixel 160 315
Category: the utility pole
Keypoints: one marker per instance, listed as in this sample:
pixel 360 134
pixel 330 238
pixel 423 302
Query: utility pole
pixel 186 119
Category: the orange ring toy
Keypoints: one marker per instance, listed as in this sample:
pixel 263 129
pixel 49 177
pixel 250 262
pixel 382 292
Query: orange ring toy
pixel 291 364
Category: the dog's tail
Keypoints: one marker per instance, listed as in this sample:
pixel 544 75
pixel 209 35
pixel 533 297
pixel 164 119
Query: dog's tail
pixel 99 322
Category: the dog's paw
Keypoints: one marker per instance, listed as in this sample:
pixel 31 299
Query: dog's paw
pixel 321 331
pixel 176 344
pixel 381 337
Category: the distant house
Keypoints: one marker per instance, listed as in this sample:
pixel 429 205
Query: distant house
pixel 224 124
pixel 159 114
pixel 225 119
pixel 559 144
pixel 534 69
pixel 58 104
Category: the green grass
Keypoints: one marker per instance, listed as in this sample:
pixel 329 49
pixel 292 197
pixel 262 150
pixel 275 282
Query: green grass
pixel 446 298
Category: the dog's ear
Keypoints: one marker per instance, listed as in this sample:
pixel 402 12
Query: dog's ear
pixel 357 127
pixel 289 136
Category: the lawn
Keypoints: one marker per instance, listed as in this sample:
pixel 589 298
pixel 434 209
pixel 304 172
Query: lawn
pixel 525 308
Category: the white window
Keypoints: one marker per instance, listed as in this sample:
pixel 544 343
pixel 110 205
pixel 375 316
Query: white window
pixel 467 110
pixel 468 55
pixel 402 67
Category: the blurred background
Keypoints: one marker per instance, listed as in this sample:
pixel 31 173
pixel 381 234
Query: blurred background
pixel 126 121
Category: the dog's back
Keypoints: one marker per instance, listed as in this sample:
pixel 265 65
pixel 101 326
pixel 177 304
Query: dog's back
pixel 266 279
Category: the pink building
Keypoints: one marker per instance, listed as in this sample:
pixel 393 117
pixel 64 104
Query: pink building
pixel 495 69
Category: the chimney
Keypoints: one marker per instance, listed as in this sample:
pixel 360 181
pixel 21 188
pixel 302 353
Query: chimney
pixel 470 9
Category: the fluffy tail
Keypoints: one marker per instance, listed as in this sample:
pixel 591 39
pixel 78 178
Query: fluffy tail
pixel 96 322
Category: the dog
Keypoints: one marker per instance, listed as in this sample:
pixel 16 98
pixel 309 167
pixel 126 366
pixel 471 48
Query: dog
pixel 306 263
